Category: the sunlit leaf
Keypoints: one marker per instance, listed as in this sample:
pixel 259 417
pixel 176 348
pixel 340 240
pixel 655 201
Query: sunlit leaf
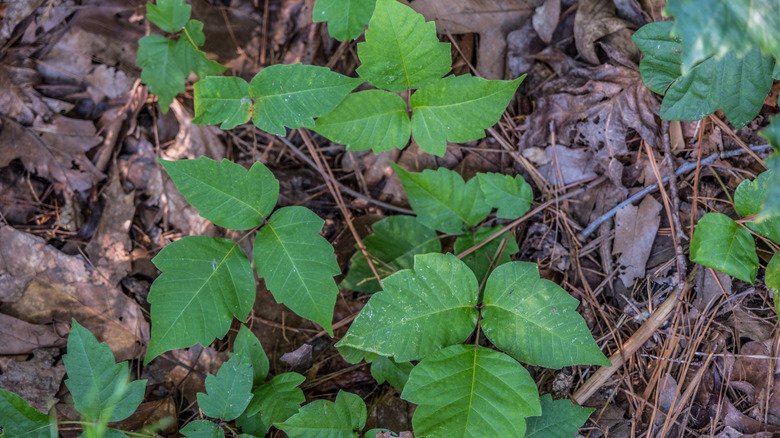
pixel 720 243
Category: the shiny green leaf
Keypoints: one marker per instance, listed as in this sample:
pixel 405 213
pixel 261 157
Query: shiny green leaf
pixel 467 390
pixel 298 264
pixel 346 18
pixel 392 245
pixel 442 200
pixel 559 419
pixel 204 283
pixel 720 243
pixel 97 383
pixel 536 321
pixel 273 402
pixel 749 199
pixel 401 50
pixel 168 15
pixel 371 119
pixel 247 344
pixel 228 392
pixel 458 109
pixel 224 192
pixel 293 95
pixel 419 311
pixel 511 197
pixel 222 100
pixel 345 418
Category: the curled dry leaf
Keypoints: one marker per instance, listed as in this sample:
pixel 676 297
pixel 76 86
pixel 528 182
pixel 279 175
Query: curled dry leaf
pixel 21 337
pixel 591 106
pixel 635 230
pixel 36 380
pixel 545 19
pixel 491 19
pixel 110 247
pixel 594 20
pixel 40 284
pixel 55 151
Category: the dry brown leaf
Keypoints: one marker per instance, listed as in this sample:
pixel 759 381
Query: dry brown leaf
pixel 491 19
pixel 566 166
pixel 150 413
pixel 545 19
pixel 592 107
pixel 40 284
pixel 709 289
pixel 594 20
pixel 14 13
pixel 635 231
pixel 36 380
pixel 110 247
pixel 21 337
pixel 55 151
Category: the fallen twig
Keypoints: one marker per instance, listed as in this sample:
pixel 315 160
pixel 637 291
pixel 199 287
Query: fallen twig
pixel 685 168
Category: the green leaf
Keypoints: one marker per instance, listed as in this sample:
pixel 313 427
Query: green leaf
pixel 772 204
pixel 225 192
pixel 247 344
pixel 162 70
pixel 193 59
pixel 298 264
pixel 345 417
pixel 346 18
pixel 493 254
pixel 710 28
pixel 467 390
pixel 385 369
pixel 274 402
pixel 394 242
pixel 204 283
pixel 97 383
pixel 738 85
pixel 419 311
pixel 222 99
pixel 202 429
pixel 536 321
pixel 442 200
pixel 168 15
pixel 293 95
pixel 458 109
pixel 749 200
pixel 560 419
pixel 720 243
pixel 511 197
pixel 229 391
pixel 401 50
pixel 19 419
pixel 772 280
pixel 371 119
pixel 660 66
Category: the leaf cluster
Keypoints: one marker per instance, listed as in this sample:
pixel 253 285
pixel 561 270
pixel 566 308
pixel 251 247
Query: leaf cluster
pixel 715 55
pixel 401 56
pixel 167 62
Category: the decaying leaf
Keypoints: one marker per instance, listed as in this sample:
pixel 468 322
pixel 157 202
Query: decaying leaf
pixel 491 19
pixel 635 230
pixel 40 284
pixel 594 19
pixel 36 380
pixel 591 106
pixel 20 337
pixel 55 151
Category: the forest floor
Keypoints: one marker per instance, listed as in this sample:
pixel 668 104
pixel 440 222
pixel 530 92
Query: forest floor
pixel 84 206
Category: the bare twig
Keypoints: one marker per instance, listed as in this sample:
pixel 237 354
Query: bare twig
pixel 685 168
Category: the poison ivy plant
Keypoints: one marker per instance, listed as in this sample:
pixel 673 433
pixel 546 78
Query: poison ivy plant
pixel 247 344
pixel 228 392
pixel 166 63
pixel 346 18
pixel 736 84
pixel 385 369
pixel 202 429
pixel 101 390
pixel 100 387
pixel 345 417
pixel 401 54
pixel 272 402
pixel 207 281
pixel 427 312
pixel 771 207
pixel 443 202
pixel 722 243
